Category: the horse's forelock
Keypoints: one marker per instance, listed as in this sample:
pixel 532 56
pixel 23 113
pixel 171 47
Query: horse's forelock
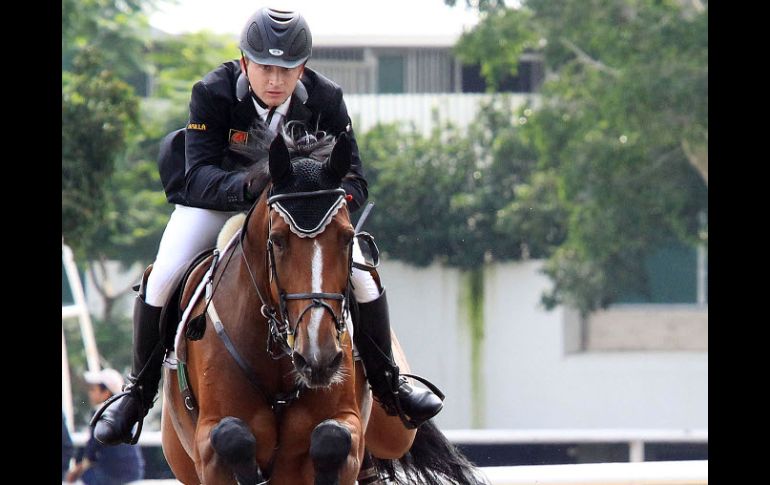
pixel 316 145
pixel 301 142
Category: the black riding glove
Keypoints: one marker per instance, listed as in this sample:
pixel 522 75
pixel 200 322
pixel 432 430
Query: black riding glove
pixel 255 182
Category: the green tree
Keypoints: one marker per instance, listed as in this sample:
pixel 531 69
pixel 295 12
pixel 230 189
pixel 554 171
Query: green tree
pixel 97 112
pixel 180 60
pixel 118 29
pixel 621 132
pixel 462 198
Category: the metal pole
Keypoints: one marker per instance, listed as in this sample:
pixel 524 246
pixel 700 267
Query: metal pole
pixel 702 269
pixel 66 386
pixel 636 451
pixel 86 329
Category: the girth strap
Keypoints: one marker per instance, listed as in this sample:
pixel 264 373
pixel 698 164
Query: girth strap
pixel 188 398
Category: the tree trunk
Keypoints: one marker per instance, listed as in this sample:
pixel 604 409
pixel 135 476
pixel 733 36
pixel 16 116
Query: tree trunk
pixel 698 155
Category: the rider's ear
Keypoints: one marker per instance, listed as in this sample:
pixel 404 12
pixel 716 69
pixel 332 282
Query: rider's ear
pixel 342 156
pixel 280 162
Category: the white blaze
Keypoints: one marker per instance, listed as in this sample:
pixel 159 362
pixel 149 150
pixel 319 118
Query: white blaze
pixel 316 313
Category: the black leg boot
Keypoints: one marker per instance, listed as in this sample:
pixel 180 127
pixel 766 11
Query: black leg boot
pixel 397 396
pixel 114 421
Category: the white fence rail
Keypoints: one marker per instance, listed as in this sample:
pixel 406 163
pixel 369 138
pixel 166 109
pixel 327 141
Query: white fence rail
pixel 366 110
pixel 649 473
pixel 637 472
pixel 522 436
pixel 636 438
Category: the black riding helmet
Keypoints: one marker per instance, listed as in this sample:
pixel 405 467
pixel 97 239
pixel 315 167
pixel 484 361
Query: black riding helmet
pixel 276 38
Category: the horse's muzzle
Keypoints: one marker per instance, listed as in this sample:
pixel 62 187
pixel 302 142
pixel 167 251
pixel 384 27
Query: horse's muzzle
pixel 319 371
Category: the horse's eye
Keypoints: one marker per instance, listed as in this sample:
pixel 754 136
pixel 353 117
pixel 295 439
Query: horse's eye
pixel 347 236
pixel 278 241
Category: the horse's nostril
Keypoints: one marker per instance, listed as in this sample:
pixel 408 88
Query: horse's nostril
pixel 337 361
pixel 299 362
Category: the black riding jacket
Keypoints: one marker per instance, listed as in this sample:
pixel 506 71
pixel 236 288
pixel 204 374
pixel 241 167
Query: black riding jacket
pixel 221 106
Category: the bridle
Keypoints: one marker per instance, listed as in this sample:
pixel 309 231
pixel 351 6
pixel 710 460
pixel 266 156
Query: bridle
pixel 281 331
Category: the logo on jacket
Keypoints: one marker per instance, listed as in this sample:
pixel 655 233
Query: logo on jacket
pixel 238 137
pixel 197 126
pixel 275 52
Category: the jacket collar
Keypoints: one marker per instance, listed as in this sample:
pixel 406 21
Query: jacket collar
pixel 297 109
pixel 245 112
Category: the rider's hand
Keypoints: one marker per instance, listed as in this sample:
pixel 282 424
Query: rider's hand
pixel 255 182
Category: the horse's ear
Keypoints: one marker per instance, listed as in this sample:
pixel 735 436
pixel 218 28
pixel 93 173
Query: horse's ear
pixel 280 162
pixel 342 156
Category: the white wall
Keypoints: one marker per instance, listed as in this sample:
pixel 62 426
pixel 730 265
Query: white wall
pixel 529 380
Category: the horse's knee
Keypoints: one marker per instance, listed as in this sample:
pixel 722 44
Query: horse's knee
pixel 330 445
pixel 234 442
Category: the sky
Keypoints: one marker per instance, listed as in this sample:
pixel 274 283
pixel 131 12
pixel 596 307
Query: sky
pixel 326 17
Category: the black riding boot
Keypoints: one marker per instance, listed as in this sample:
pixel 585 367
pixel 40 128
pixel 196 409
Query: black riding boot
pixel 372 338
pixel 114 421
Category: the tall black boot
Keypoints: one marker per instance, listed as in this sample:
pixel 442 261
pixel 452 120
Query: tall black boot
pixel 114 421
pixel 397 396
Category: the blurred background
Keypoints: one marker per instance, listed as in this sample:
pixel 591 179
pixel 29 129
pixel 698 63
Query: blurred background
pixel 540 175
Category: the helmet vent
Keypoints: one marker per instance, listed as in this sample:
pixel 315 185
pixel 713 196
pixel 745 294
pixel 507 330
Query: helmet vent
pixel 280 16
pixel 300 43
pixel 254 38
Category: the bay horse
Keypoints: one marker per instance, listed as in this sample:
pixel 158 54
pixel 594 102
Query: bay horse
pixel 271 392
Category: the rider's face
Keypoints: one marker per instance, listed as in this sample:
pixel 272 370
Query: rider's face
pixel 272 84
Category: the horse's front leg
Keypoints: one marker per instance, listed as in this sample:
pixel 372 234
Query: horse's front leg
pixel 335 451
pixel 227 452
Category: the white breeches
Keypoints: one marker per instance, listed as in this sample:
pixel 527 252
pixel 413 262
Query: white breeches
pixel 190 230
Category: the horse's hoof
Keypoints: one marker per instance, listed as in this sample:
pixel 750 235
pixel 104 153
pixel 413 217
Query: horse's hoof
pixel 329 446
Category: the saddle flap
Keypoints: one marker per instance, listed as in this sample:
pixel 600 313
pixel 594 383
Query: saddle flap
pixel 172 311
pixel 188 286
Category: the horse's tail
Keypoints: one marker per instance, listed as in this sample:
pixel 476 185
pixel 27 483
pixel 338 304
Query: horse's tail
pixel 432 460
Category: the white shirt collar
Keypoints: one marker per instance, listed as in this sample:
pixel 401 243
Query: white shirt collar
pixel 282 109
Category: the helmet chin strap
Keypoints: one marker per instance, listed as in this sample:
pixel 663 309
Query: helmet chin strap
pixel 256 98
pixel 244 61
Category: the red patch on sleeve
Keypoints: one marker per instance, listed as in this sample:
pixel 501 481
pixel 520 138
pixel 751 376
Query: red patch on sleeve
pixel 238 137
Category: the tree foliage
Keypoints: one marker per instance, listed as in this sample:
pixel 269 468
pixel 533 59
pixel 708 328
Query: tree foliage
pixel 460 197
pixel 97 111
pixel 620 134
pixel 178 61
pixel 118 29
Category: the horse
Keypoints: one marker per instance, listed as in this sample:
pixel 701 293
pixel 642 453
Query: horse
pixel 272 392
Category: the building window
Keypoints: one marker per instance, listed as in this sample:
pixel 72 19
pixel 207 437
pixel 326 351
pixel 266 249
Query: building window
pixel 528 79
pixel 390 74
pixel 676 273
pixel 339 54
pixel 671 316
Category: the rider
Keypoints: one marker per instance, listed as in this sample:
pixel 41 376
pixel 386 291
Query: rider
pixel 271 83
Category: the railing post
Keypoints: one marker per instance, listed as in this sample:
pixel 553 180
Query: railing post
pixel 636 451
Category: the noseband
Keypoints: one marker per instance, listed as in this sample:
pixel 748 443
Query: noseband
pixel 281 332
